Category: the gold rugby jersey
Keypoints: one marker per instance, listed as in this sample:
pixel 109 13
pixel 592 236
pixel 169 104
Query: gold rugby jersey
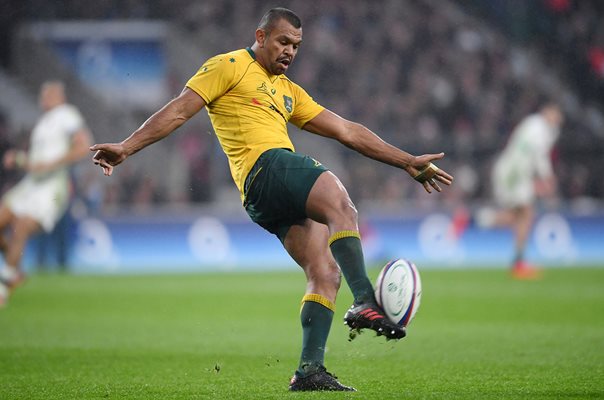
pixel 249 108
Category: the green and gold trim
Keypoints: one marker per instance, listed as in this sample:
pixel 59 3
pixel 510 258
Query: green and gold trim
pixel 317 298
pixel 251 52
pixel 342 235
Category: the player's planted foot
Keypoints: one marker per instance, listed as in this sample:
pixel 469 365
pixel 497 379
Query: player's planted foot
pixel 321 380
pixel 11 278
pixel 524 271
pixel 371 316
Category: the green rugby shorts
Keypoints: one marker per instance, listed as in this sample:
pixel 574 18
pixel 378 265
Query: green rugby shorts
pixel 277 187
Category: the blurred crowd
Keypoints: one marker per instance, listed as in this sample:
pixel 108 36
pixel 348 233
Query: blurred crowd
pixel 568 34
pixel 427 76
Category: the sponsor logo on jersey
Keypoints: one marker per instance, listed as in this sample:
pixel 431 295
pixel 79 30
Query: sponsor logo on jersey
pixel 272 107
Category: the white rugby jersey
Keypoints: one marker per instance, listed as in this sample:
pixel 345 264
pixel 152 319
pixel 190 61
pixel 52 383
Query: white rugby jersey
pixel 51 137
pixel 529 147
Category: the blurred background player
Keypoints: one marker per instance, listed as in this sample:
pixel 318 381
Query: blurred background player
pixel 59 139
pixel 523 172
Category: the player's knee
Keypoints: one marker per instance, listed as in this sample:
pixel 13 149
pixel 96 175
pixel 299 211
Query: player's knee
pixel 23 229
pixel 326 275
pixel 347 211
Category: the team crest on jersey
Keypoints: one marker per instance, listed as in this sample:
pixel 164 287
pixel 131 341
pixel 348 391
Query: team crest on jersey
pixel 288 103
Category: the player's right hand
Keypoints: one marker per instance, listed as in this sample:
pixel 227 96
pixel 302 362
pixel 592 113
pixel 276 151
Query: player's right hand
pixel 429 175
pixel 9 159
pixel 14 159
pixel 108 155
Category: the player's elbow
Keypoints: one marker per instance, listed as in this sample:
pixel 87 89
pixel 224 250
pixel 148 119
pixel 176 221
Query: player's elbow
pixel 352 134
pixel 185 106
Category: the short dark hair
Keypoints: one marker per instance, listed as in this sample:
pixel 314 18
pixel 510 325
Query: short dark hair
pixel 274 15
pixel 549 102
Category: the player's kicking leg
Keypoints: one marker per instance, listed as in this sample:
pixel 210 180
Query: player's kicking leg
pixel 329 204
pixel 518 218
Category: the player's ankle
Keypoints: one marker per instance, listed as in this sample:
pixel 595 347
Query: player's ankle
pixel 306 369
pixel 364 298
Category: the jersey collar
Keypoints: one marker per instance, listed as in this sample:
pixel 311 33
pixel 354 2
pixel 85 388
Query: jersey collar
pixel 253 55
pixel 251 52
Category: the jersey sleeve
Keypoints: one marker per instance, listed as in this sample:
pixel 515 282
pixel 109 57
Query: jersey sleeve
pixel 72 120
pixel 305 107
pixel 215 77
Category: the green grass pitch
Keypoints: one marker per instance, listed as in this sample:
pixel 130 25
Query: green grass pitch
pixel 477 335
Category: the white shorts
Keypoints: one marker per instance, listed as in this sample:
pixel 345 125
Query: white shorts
pixel 511 186
pixel 42 200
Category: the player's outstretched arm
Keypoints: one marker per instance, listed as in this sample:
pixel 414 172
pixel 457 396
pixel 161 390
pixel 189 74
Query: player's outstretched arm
pixel 157 127
pixel 364 141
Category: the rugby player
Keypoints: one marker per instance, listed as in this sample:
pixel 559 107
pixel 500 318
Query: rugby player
pixel 250 101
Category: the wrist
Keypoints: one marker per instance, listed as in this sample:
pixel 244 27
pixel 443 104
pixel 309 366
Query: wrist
pixel 405 162
pixel 127 149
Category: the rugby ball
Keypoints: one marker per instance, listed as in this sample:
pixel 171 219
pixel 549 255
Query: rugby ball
pixel 398 291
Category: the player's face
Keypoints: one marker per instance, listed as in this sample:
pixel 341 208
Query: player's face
pixel 554 115
pixel 45 98
pixel 558 117
pixel 50 96
pixel 280 47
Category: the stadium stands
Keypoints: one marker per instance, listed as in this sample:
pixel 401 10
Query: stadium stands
pixel 426 75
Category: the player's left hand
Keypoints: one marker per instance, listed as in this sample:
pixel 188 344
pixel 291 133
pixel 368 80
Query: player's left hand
pixel 429 175
pixel 108 155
